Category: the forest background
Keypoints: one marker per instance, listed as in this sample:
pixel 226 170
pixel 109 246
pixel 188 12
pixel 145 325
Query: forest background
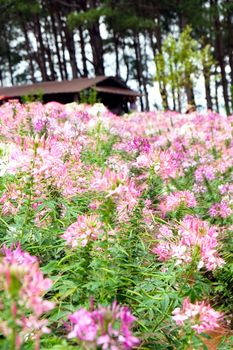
pixel 173 51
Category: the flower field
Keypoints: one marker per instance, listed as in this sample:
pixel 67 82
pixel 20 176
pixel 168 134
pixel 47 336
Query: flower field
pixel 116 232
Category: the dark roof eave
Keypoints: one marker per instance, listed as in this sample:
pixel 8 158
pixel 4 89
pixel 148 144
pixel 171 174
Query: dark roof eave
pixel 117 91
pixel 65 86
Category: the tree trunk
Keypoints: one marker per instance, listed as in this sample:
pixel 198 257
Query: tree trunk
pixel 96 42
pixel 53 74
pixel 10 66
pixel 136 45
pixel 229 31
pixel 172 84
pixel 179 100
pixel 152 43
pixel 126 62
pixel 231 66
pixel 41 49
pixel 146 76
pixel 219 53
pixel 97 49
pixel 55 35
pixel 29 52
pixel 207 90
pixel 116 49
pixel 162 86
pixel 190 93
pixel 216 91
pixel 1 79
pixel 83 52
pixel 71 49
pixel 63 44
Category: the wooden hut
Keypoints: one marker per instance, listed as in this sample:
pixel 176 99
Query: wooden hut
pixel 111 91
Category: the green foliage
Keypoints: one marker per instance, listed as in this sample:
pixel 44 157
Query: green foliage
pixel 87 18
pixel 181 62
pixel 120 18
pixel 89 96
pixel 35 96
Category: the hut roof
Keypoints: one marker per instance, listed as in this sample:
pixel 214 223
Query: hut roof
pixel 111 85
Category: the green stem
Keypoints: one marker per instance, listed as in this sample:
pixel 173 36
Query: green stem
pixel 13 340
pixel 30 187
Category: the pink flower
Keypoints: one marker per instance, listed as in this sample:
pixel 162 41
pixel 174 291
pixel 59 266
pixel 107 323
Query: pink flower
pixel 221 209
pixel 85 229
pixel 200 316
pixel 17 256
pixel 120 187
pixel 85 328
pixel 108 181
pixel 168 165
pixel 23 286
pixel 107 327
pixel 174 200
pixel 139 144
pixel 195 241
pixel 163 250
pixel 205 171
pixel 143 161
pixel 226 189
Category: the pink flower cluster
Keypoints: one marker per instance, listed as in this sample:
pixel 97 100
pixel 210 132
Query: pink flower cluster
pixel 49 159
pixel 205 172
pixel 11 200
pixel 221 209
pixel 195 241
pixel 164 140
pixel 120 187
pixel 174 200
pixel 139 144
pixel 23 286
pixel 109 180
pixel 54 169
pixel 164 163
pixel 226 188
pixel 168 165
pixel 200 316
pixel 86 228
pixel 108 328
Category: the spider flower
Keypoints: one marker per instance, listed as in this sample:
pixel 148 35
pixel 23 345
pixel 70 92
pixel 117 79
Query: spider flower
pixel 200 316
pixel 221 209
pixel 108 328
pixel 174 200
pixel 85 229
pixel 195 241
pixel 22 286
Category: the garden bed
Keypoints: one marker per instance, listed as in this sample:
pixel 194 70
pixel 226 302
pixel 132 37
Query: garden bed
pixel 116 232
